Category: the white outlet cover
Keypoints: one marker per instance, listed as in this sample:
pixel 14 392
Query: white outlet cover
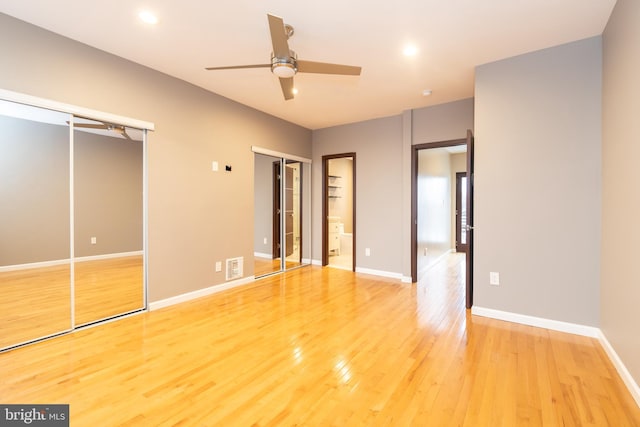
pixel 494 278
pixel 218 266
pixel 214 166
pixel 367 252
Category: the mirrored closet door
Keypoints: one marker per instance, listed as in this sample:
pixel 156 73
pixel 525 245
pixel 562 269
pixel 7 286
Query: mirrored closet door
pixel 72 228
pixel 35 269
pixel 108 220
pixel 282 212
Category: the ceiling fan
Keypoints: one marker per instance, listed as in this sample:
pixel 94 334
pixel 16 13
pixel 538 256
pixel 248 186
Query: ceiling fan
pixel 105 126
pixel 285 63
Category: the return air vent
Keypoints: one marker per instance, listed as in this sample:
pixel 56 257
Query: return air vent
pixel 234 268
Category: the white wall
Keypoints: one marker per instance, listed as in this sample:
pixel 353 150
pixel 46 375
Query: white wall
pixel 620 196
pixel 538 182
pixel 434 205
pixel 458 164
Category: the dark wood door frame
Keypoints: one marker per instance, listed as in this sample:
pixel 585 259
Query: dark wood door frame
pixel 414 205
pixel 470 222
pixel 325 206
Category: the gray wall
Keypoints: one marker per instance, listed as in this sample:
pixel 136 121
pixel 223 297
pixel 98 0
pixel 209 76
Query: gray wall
pixel 108 195
pixel 263 204
pixel 443 122
pixel 538 182
pixel 378 168
pixel 620 292
pixel 34 188
pixel 196 216
pixel 34 192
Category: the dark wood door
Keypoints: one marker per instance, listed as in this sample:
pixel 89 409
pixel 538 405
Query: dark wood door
pixel 469 226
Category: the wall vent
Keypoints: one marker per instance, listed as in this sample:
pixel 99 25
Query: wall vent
pixel 234 268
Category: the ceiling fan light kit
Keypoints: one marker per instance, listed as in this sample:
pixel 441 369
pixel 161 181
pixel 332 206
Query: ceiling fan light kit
pixel 284 62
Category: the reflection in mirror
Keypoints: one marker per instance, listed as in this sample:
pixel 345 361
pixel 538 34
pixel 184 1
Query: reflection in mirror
pixel 35 287
pixel 293 211
pixel 108 220
pixel 266 215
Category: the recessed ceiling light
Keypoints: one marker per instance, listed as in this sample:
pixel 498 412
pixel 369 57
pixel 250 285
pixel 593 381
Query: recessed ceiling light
pixel 410 50
pixel 148 17
pixel 426 92
pixel 295 91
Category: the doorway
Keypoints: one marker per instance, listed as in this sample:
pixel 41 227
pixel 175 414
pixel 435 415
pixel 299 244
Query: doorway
pixel 436 225
pixel 339 211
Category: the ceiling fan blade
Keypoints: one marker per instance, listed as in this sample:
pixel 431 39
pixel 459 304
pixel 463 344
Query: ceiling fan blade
pixel 326 68
pixel 287 87
pixel 237 67
pixel 278 37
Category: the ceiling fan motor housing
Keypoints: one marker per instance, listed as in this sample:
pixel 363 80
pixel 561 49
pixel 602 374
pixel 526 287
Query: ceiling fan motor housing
pixel 284 67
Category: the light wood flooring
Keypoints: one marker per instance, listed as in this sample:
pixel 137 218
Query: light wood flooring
pixel 322 347
pixel 36 302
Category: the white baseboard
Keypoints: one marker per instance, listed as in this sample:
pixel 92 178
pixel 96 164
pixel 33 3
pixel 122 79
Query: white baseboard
pixel 262 255
pixel 572 328
pixel 316 262
pixel 628 380
pixel 34 265
pixel 380 273
pixel 200 293
pixel 53 263
pixel 407 279
pixel 554 325
pixel 109 256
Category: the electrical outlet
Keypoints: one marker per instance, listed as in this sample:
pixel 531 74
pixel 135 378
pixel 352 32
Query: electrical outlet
pixel 494 278
pixel 218 266
pixel 425 251
pixel 367 252
pixel 265 240
pixel 94 240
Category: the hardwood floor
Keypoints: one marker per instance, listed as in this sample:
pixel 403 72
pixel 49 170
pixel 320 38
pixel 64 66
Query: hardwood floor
pixel 322 347
pixel 36 302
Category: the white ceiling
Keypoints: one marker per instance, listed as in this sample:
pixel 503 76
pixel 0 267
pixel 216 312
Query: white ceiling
pixel 452 37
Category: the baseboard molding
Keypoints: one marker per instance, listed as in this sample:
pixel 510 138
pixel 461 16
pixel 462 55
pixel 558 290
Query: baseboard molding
pixel 53 263
pixel 200 293
pixel 316 262
pixel 554 325
pixel 572 328
pixel 109 256
pixel 380 273
pixel 624 373
pixel 43 264
pixel 262 255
